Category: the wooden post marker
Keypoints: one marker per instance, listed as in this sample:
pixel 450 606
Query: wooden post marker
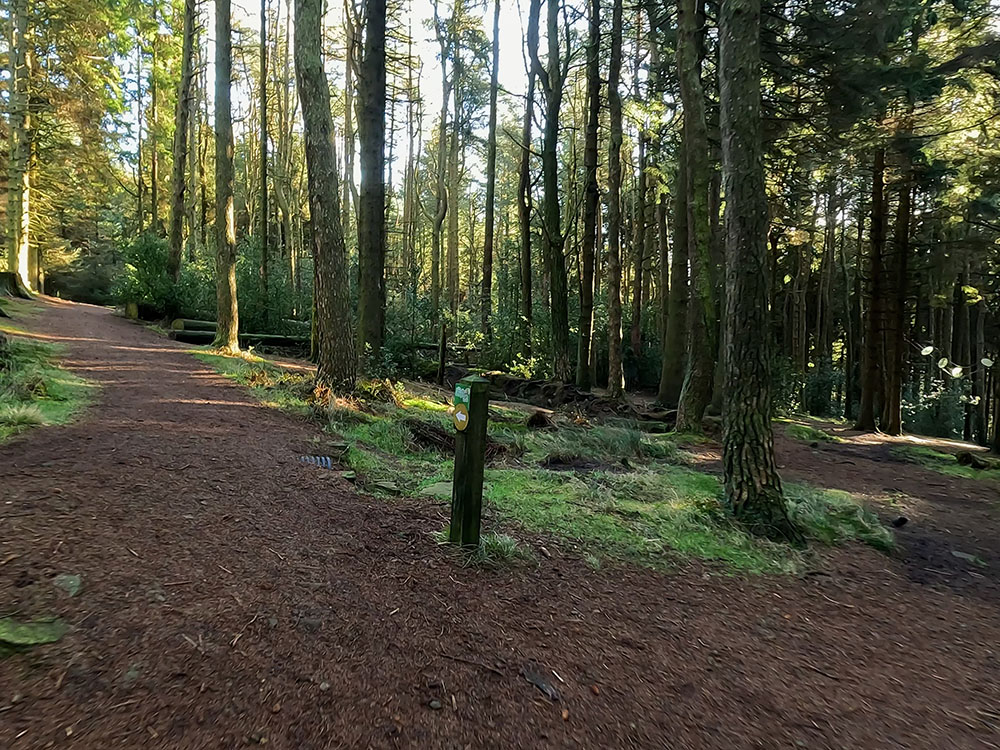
pixel 469 415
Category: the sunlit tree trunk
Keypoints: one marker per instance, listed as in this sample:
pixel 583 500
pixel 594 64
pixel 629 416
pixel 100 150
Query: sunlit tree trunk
pixel 616 377
pixel 442 193
pixel 227 336
pixel 178 178
pixel 524 218
pixel 19 180
pixel 486 302
pixel 336 355
pixel 591 198
pixel 753 488
pixel 371 208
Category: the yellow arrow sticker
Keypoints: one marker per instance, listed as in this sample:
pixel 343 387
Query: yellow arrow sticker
pixel 460 417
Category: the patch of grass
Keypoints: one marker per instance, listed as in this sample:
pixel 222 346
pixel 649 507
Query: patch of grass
pixel 649 510
pixel 834 517
pixel 943 463
pixel 600 444
pixel 809 434
pixel 271 385
pixel 645 516
pixel 496 550
pixel 34 390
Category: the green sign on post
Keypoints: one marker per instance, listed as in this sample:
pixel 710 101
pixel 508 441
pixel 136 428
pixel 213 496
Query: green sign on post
pixel 469 415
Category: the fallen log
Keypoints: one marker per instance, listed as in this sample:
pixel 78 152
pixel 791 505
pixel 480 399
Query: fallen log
pixel 246 339
pixel 977 461
pixel 186 324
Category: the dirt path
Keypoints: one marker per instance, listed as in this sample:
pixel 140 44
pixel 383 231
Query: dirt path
pixel 233 596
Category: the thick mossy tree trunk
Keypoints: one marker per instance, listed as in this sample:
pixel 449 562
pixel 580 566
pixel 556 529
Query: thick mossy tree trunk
pixel 336 355
pixel 592 196
pixel 227 312
pixel 753 488
pixel 616 376
pixel 486 301
pixel 696 393
pixel 175 235
pixel 371 206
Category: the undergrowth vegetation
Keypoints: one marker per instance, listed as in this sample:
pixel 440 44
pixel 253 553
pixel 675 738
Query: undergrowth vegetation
pixel 809 434
pixel 943 463
pixel 34 391
pixel 613 492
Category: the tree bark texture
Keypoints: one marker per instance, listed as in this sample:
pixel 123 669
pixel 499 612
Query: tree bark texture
pixel 591 198
pixel 616 376
pixel 486 301
pixel 227 310
pixel 752 486
pixel 696 393
pixel 336 355
pixel 175 237
pixel 371 206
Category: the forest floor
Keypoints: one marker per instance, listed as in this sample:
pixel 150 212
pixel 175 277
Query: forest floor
pixel 229 595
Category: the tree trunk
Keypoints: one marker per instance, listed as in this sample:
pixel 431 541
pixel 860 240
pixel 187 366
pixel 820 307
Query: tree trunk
pixel 371 207
pixel 871 365
pixel 524 216
pixel 673 351
pixel 639 246
pixel 154 128
pixel 486 302
pixel 752 486
pixel 441 212
pixel 454 148
pixel 178 177
pixel 696 392
pixel 552 77
pixel 227 312
pixel 265 246
pixel 19 180
pixel 616 376
pixel 592 196
pixel 895 322
pixel 336 355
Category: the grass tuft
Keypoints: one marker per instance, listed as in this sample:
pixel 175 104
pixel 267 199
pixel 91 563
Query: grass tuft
pixel 834 517
pixel 809 434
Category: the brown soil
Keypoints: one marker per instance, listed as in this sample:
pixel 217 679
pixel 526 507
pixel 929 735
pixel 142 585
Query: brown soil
pixel 232 595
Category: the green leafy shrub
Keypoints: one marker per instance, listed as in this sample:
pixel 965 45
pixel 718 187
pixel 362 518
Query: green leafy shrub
pixel 820 384
pixel 939 412
pixel 144 279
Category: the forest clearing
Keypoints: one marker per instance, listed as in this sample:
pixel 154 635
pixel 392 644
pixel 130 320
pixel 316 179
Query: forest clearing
pixel 500 373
